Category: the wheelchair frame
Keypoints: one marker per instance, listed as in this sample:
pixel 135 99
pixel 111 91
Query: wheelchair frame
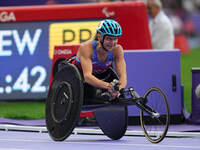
pixel 65 102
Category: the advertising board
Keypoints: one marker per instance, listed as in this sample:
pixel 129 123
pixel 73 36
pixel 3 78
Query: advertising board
pixel 28 36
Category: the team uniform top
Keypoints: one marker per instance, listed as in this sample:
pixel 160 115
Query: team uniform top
pixel 98 67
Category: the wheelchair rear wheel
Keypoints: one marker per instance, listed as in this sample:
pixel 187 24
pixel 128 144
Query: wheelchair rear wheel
pixel 64 102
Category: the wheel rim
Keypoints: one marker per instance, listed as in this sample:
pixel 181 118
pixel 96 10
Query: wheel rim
pixel 155 129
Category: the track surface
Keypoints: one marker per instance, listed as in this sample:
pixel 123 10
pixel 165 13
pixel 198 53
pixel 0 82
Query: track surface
pixel 12 140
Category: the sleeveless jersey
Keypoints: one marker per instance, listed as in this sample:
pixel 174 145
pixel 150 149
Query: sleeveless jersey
pixel 97 66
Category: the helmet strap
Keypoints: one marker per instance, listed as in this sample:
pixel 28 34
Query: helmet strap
pixel 102 41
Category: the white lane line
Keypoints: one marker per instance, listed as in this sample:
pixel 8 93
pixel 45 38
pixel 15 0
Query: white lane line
pixel 12 149
pixel 104 143
pixel 8 127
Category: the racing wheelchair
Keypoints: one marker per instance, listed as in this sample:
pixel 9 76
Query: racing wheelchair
pixel 69 95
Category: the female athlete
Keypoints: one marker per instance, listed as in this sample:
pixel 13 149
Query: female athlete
pixel 97 56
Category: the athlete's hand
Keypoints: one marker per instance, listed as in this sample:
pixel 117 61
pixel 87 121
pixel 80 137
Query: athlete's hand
pixel 113 93
pixel 113 88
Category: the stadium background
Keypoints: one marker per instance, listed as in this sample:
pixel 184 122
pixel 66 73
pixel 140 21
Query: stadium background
pixel 185 16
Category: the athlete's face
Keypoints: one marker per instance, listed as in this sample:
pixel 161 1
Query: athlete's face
pixel 110 42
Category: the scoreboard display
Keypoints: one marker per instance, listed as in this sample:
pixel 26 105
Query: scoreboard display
pixel 28 36
pixel 24 62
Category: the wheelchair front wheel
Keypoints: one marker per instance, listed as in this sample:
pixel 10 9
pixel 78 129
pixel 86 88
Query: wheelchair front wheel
pixel 155 127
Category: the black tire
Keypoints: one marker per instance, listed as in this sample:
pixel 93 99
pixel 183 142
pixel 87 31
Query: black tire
pixel 155 128
pixel 64 102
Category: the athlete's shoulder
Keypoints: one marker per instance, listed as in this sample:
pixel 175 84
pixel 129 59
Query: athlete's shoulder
pixel 85 48
pixel 118 50
pixel 118 47
pixel 86 44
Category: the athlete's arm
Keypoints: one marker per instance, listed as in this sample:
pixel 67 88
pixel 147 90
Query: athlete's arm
pixel 120 65
pixel 85 54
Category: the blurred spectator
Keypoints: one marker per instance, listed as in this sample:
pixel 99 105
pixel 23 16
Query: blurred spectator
pixel 104 1
pixel 50 2
pixel 189 28
pixel 189 5
pixel 177 23
pixel 21 2
pixel 161 29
